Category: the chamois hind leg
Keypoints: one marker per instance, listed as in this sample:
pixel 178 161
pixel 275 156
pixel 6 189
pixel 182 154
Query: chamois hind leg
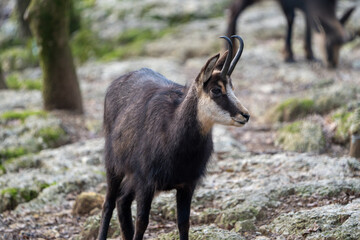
pixel 183 200
pixel 144 197
pixel 109 205
pixel 235 10
pixel 123 205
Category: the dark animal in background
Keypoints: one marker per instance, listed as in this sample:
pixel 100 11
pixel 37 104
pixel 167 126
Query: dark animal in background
pixel 319 14
pixel 158 137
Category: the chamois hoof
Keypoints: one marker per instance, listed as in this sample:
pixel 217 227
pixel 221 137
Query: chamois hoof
pixel 289 60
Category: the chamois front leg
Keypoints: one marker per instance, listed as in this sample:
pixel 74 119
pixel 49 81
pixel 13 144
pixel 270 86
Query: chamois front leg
pixel 307 46
pixel 109 205
pixel 290 16
pixel 183 200
pixel 144 197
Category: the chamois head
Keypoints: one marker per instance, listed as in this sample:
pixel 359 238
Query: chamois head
pixel 334 36
pixel 217 102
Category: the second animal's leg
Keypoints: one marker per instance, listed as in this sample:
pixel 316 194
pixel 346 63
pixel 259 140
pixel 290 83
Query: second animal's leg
pixel 290 16
pixel 235 10
pixel 144 198
pixel 123 205
pixel 183 200
pixel 308 47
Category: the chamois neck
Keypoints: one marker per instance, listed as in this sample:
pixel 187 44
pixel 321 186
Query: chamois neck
pixel 188 115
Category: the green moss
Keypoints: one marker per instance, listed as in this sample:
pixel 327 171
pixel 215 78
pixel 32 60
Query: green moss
pixel 15 82
pixel 132 43
pixel 12 153
pixel 10 191
pixel 291 109
pixel 22 115
pixel 87 45
pixel 11 197
pixel 28 194
pixel 51 135
pixel 2 170
pixel 43 185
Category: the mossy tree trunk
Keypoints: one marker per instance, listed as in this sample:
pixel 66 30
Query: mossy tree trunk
pixel 21 6
pixel 2 79
pixel 49 23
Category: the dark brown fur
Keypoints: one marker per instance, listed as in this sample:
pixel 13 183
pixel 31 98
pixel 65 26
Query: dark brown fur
pixel 319 14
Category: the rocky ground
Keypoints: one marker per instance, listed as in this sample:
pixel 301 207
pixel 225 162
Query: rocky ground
pixel 286 175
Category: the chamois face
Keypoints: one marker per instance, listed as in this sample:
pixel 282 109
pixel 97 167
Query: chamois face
pixel 217 102
pixel 333 36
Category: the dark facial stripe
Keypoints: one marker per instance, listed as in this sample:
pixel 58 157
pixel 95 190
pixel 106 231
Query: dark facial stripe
pixel 225 103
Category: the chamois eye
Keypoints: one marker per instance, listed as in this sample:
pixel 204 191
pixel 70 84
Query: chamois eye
pixel 216 92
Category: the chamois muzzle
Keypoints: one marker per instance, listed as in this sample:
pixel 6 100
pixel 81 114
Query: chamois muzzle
pixel 229 65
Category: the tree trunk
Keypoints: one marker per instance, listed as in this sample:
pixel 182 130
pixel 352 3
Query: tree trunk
pixel 355 146
pixel 21 6
pixel 49 22
pixel 2 79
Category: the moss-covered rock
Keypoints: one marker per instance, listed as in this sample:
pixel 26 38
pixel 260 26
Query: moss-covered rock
pixel 328 222
pixel 291 109
pixel 11 197
pixel 301 136
pixel 28 161
pixel 343 120
pixel 320 102
pixel 29 131
pixel 241 215
pixel 86 202
pixel 92 224
pixel 203 233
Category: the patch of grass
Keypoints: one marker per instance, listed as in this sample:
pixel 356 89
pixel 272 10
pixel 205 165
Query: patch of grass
pixel 13 81
pixel 22 115
pixel 12 153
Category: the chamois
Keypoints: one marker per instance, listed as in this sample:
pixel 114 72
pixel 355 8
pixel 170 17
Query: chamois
pixel 158 137
pixel 319 14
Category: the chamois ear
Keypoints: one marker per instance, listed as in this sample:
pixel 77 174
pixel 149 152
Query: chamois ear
pixel 221 61
pixel 208 69
pixel 346 15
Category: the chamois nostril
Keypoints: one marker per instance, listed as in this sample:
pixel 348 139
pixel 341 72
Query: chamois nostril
pixel 246 116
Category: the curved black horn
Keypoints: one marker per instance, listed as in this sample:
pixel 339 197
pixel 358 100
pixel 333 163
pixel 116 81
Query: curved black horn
pixel 238 54
pixel 226 66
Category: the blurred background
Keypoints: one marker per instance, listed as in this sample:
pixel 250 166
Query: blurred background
pixel 289 165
